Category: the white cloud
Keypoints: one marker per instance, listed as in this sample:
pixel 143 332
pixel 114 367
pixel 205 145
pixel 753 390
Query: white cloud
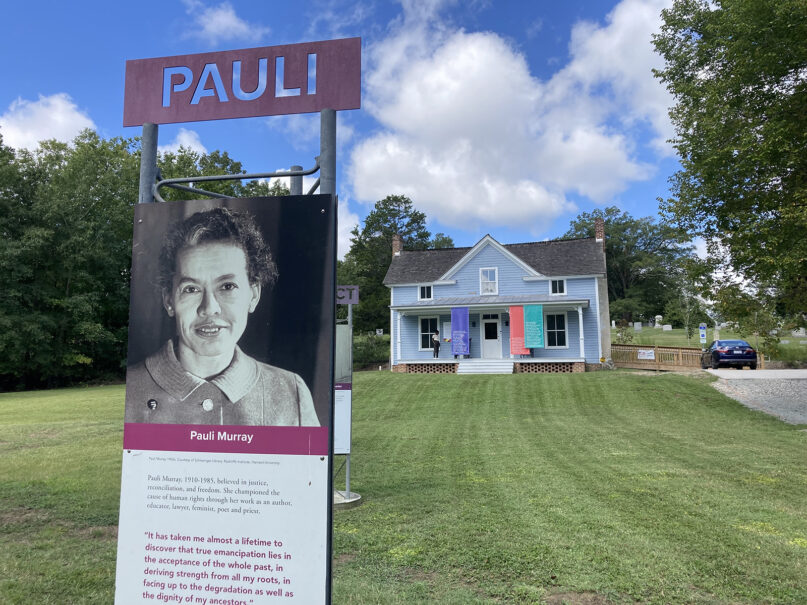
pixel 700 248
pixel 303 130
pixel 475 139
pixel 346 221
pixel 337 18
pixel 621 57
pixel 219 23
pixel 189 139
pixel 25 123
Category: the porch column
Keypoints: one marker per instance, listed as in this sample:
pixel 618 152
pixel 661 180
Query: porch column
pixel 580 324
pixel 398 336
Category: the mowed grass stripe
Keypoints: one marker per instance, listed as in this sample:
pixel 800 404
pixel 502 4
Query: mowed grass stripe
pixel 639 486
pixel 476 489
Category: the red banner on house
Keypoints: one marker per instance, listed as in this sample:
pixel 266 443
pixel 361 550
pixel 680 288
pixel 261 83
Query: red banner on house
pixel 517 331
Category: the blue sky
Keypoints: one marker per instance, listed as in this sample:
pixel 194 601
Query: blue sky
pixel 495 116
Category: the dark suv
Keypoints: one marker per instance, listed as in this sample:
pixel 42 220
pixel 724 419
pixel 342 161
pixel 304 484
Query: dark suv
pixel 729 353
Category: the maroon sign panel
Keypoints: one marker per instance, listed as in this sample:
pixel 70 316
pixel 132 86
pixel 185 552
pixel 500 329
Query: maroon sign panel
pixel 271 80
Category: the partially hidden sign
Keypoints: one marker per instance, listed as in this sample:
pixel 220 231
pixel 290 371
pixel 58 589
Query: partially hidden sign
pixel 270 80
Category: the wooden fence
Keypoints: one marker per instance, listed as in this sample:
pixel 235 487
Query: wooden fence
pixel 652 357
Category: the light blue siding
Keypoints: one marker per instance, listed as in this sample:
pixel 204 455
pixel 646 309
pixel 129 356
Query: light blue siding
pixel 509 275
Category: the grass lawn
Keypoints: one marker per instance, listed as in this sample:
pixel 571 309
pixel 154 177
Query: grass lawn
pixel 593 488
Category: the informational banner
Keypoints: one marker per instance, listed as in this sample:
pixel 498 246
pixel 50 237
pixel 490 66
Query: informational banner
pixel 270 80
pixel 533 326
pixel 225 488
pixel 460 344
pixel 517 331
pixel 646 354
pixel 343 390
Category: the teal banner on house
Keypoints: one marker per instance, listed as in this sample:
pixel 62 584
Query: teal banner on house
pixel 534 326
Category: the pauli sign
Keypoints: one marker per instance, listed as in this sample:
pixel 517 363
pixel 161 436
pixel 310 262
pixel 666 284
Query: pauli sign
pixel 270 80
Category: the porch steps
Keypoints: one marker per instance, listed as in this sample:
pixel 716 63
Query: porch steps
pixel 485 366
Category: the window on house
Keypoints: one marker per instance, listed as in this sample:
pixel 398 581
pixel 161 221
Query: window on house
pixel 427 327
pixel 425 293
pixel 558 286
pixel 488 281
pixel 556 330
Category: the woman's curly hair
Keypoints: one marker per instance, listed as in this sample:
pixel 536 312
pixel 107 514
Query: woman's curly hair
pixel 218 225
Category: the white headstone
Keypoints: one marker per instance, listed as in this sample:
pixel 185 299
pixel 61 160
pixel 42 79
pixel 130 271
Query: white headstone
pixel 667 328
pixel 637 326
pixel 785 342
pixel 658 321
pixel 613 323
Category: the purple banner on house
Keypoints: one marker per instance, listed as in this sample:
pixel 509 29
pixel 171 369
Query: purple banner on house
pixel 271 80
pixel 459 331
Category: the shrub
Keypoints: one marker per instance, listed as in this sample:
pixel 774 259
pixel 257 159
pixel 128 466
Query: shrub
pixel 369 349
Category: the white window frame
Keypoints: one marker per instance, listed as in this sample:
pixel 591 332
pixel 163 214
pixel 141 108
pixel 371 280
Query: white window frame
pixel 565 315
pixel 431 291
pixel 495 282
pixel 436 319
pixel 552 282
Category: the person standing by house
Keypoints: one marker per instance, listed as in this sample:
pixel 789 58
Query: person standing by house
pixel 436 343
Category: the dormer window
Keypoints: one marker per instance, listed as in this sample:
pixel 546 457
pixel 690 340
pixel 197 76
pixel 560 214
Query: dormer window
pixel 425 292
pixel 489 281
pixel 558 286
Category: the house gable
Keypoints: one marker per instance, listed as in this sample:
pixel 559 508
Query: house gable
pixel 481 245
pixel 489 271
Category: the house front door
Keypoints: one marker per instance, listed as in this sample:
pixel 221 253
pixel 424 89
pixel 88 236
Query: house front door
pixel 491 341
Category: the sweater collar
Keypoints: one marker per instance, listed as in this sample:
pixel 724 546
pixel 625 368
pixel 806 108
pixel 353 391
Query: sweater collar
pixel 235 381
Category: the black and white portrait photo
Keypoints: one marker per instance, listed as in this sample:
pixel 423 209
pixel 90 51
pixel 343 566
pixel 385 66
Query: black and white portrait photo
pixel 231 319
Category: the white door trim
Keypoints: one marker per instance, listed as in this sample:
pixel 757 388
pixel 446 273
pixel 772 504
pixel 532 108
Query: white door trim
pixel 486 351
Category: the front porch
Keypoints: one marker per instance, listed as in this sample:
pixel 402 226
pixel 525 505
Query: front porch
pixel 490 366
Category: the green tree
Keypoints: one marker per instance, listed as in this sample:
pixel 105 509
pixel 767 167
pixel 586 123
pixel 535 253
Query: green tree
pixel 685 308
pixel 737 71
pixel 370 254
pixel 65 259
pixel 642 259
pixel 754 316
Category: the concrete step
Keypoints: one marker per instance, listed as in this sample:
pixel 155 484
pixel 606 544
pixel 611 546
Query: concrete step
pixel 485 366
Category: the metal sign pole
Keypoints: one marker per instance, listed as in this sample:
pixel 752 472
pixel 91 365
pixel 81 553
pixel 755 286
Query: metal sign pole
pixel 296 182
pixel 350 331
pixel 327 151
pixel 148 163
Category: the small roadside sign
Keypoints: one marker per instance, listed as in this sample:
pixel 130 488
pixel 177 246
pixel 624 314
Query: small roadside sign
pixel 702 330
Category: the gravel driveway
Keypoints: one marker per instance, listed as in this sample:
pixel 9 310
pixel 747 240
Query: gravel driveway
pixel 781 393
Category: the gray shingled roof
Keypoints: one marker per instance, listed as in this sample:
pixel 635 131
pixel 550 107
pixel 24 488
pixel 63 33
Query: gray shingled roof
pixel 556 257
